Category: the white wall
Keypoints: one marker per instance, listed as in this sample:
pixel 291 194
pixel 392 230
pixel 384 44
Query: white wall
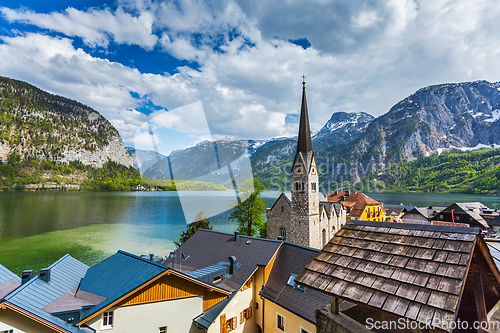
pixel 176 314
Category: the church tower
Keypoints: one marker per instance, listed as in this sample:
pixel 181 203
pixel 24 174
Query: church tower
pixel 305 229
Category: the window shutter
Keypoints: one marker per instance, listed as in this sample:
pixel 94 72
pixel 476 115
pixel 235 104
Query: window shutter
pixel 249 312
pixel 234 323
pixel 223 324
pixel 242 317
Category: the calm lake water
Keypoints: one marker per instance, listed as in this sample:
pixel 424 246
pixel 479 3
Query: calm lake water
pixel 36 228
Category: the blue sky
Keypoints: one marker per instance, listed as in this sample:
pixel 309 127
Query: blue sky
pixel 132 60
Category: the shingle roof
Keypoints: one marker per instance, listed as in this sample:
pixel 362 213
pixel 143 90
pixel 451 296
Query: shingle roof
pixel 36 293
pixel 292 259
pixel 206 248
pixel 414 271
pixel 116 276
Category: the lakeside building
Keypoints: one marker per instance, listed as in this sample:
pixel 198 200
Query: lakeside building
pixel 304 216
pixel 358 205
pixel 463 213
pixel 394 213
pixel 24 308
pixel 425 274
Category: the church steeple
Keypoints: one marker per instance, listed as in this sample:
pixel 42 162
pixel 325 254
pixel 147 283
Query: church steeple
pixel 304 144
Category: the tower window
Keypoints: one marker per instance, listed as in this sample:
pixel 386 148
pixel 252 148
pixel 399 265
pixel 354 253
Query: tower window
pixel 297 186
pixel 323 234
pixel 303 187
pixel 282 208
pixel 283 233
pixel 313 187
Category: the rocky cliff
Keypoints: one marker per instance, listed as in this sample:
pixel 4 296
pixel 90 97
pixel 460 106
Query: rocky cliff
pixel 36 124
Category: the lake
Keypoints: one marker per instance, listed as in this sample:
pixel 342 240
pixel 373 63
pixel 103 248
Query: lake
pixel 37 228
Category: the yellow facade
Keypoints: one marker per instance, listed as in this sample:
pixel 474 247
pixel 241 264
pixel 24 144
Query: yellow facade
pixel 292 322
pixel 373 213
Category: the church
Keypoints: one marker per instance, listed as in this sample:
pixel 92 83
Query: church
pixel 304 216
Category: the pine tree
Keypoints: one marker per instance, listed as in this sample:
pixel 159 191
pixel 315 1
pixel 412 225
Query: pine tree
pixel 201 221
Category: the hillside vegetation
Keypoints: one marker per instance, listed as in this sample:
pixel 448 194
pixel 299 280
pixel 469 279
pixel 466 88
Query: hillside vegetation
pixel 476 171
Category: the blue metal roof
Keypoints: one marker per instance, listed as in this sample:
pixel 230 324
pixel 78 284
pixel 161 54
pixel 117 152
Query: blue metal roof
pixel 35 294
pixel 6 275
pixel 116 276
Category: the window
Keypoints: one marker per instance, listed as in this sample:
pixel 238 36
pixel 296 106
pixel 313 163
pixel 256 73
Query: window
pixel 7 331
pixel 217 279
pixel 282 208
pixel 303 187
pixel 323 235
pixel 283 233
pixel 291 279
pixel 162 329
pixel 107 320
pixel 247 285
pixel 313 187
pixel 280 322
pixel 303 330
pixel 245 315
pixel 231 324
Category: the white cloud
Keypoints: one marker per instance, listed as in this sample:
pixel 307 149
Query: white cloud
pixel 94 26
pixel 365 56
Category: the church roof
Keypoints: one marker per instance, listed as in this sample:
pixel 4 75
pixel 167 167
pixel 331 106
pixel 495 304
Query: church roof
pixel 304 144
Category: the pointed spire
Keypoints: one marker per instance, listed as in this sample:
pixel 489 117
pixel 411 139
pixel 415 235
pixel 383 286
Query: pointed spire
pixel 304 144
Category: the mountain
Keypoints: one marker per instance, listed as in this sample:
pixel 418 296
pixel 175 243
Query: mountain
pixel 144 159
pixel 207 161
pixel 36 124
pixel 345 126
pixel 433 118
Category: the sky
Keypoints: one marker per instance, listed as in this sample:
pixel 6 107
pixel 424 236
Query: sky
pixel 240 62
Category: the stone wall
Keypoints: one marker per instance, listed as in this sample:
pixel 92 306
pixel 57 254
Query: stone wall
pixel 327 322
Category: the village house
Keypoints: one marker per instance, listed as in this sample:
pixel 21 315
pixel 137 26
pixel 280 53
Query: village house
pixel 304 216
pixel 358 205
pixel 24 308
pixel 416 216
pixel 423 275
pixel 462 213
pixel 394 213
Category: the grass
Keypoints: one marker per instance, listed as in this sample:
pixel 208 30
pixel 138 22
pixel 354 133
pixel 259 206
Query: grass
pixel 40 251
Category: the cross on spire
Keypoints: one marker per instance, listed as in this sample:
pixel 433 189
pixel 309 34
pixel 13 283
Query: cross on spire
pixel 303 80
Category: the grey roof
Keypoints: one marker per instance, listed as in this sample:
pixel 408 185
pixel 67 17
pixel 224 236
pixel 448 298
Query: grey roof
pixel 304 144
pixel 292 259
pixel 394 209
pixel 8 281
pixel 6 275
pixel 116 276
pixel 207 318
pixel 35 294
pixel 338 207
pixel 207 248
pixel 288 196
pixel 459 208
pixel 414 271
pixel 328 206
pixel 322 198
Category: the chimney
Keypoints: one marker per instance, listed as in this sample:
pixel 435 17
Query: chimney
pixel 335 192
pixel 236 236
pixel 26 276
pixel 151 256
pixel 347 193
pixel 232 265
pixel 45 274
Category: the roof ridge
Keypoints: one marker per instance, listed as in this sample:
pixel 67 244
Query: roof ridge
pixel 430 227
pixel 302 246
pixel 232 234
pixel 142 259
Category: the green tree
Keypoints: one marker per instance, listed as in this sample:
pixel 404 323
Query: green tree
pixel 250 213
pixel 201 221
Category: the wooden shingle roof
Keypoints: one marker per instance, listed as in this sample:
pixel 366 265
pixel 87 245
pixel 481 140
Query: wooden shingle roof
pixel 414 271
